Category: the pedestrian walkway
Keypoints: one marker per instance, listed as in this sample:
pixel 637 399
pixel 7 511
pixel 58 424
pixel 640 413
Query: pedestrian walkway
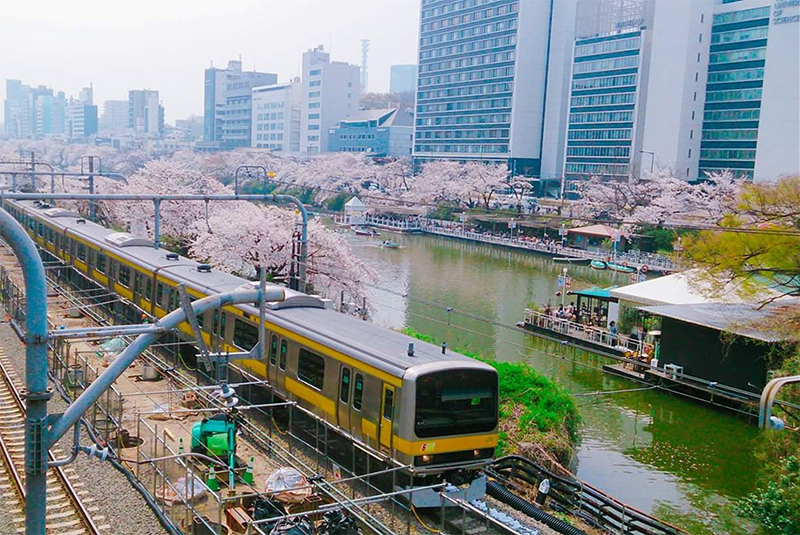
pixel 636 260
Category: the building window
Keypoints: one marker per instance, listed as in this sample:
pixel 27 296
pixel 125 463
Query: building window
pixel 314 94
pixel 315 72
pixel 311 369
pixel 314 83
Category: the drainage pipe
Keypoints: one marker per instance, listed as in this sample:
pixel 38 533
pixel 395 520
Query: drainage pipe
pixel 499 492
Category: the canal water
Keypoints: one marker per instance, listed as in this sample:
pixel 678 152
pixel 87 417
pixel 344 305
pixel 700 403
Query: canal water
pixel 678 459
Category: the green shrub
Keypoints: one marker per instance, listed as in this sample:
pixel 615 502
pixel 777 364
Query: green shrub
pixel 533 409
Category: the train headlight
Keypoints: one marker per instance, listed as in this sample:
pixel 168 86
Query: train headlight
pixel 427 458
pixel 476 453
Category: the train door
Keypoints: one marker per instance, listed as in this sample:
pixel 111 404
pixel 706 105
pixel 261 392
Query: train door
pixel 355 417
pixel 387 414
pixel 283 356
pixel 272 356
pixel 343 406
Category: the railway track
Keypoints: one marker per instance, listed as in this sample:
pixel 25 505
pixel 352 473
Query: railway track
pixel 68 510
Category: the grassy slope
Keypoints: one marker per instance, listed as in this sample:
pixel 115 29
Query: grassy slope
pixel 533 409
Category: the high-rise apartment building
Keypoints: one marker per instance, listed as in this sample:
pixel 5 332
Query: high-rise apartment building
pixel 82 115
pixel 227 104
pixel 276 117
pixel 481 81
pixel 402 78
pixel 330 93
pixel 682 84
pixel 115 116
pixel 613 88
pixel 145 113
pixel 34 112
pixel 18 118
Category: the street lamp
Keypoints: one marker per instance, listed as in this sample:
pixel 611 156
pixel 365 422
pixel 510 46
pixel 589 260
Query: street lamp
pixel 652 158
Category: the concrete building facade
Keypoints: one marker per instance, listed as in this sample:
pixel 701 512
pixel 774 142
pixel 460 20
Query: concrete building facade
pixel 683 84
pixel 115 116
pixel 330 93
pixel 481 81
pixel 376 133
pixel 145 113
pixel 276 117
pixel 227 104
pixel 615 88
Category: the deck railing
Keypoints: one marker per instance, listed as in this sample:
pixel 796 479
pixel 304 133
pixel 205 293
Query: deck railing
pixel 589 333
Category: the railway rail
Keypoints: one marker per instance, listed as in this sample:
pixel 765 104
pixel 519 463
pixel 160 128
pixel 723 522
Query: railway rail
pixel 68 510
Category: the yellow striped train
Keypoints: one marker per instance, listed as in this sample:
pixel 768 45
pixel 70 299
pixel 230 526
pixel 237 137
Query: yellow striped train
pixel 435 412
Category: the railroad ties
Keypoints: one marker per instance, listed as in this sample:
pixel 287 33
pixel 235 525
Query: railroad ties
pixel 68 510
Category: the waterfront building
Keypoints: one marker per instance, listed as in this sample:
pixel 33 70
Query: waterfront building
pixel 227 104
pixel 276 117
pixel 145 113
pixel 376 133
pixel 402 79
pixel 330 93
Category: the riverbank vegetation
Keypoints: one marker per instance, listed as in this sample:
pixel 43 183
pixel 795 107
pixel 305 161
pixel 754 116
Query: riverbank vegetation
pixel 538 418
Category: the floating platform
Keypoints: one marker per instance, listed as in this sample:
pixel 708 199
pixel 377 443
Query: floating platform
pixel 715 395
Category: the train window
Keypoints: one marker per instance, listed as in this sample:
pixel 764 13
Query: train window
pixel 49 234
pixel 358 392
pixel 82 252
pixel 174 298
pixel 31 223
pixel 148 288
pixel 284 351
pixel 344 388
pixel 124 274
pixel 40 230
pixel 101 263
pixel 245 335
pixel 455 402
pixel 388 404
pixel 159 294
pixel 273 350
pixel 311 369
pixel 137 283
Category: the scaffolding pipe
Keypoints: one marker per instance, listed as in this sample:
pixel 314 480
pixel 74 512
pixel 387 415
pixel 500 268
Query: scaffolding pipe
pixel 35 371
pixel 142 342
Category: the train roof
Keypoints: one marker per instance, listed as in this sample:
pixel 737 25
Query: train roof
pixel 307 315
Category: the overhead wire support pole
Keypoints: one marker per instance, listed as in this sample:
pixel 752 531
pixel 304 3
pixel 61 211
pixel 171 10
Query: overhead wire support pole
pixel 37 394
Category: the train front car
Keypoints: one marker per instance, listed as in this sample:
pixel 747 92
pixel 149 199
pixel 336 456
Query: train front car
pixel 452 422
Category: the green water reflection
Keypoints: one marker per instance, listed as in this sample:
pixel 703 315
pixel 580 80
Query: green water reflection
pixel 657 452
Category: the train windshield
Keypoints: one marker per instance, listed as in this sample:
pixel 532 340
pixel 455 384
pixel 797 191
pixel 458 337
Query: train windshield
pixel 456 402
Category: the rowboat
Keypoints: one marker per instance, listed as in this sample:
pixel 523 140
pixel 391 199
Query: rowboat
pixel 619 268
pixel 389 244
pixel 597 264
pixel 365 231
pixel 573 261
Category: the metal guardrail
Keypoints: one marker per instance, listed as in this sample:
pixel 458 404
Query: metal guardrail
pixel 574 495
pixel 595 335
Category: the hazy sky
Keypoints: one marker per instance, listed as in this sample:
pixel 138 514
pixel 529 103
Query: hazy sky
pixel 166 44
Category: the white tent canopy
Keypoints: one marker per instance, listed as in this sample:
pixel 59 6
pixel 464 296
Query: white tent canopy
pixel 684 288
pixel 355 205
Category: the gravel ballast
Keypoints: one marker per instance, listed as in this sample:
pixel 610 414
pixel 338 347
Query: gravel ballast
pixel 123 508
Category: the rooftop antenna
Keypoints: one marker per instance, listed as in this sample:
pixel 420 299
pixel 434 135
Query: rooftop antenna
pixel 364 60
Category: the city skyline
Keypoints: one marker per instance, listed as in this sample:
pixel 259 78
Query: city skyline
pixel 176 47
